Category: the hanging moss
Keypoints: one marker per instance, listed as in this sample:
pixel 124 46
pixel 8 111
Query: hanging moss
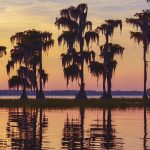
pixel 72 73
pixel 96 68
pixel 66 59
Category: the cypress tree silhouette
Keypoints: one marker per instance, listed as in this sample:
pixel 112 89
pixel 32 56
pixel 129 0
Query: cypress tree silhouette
pixel 107 53
pixel 28 49
pixel 79 31
pixel 22 79
pixel 108 29
pixel 142 22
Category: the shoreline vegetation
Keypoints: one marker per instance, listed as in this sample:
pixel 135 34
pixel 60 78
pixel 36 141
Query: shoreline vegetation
pixel 71 103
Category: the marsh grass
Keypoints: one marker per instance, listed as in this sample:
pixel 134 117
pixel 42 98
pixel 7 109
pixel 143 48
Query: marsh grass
pixel 70 103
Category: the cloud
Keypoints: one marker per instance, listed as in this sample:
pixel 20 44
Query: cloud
pixel 40 7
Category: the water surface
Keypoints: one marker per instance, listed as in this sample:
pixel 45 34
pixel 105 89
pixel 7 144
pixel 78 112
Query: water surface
pixel 44 129
pixel 69 97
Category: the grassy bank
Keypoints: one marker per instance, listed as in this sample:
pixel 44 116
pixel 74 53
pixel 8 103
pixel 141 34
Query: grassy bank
pixel 65 104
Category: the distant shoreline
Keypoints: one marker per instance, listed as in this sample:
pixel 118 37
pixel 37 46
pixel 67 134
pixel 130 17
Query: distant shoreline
pixel 70 93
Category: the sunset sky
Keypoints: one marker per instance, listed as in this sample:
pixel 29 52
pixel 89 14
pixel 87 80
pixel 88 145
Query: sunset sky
pixel 19 15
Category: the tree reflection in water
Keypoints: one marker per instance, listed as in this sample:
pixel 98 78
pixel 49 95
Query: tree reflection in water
pixel 25 128
pixel 73 132
pixel 101 136
pixel 145 139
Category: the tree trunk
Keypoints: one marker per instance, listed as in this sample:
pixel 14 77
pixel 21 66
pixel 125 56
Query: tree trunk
pixel 104 86
pixel 35 81
pixel 41 95
pixel 145 72
pixel 24 96
pixel 82 94
pixel 105 72
pixel 109 77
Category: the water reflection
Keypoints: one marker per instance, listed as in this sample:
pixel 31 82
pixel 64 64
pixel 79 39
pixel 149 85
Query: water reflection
pixel 101 133
pixel 73 132
pixel 74 129
pixel 145 139
pixel 25 128
pixel 103 136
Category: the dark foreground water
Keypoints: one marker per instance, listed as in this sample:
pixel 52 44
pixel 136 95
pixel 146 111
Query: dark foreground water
pixel 74 129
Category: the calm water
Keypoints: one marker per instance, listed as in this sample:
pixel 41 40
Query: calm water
pixel 70 97
pixel 74 129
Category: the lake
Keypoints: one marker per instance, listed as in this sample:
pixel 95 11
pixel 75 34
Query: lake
pixel 7 97
pixel 74 129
